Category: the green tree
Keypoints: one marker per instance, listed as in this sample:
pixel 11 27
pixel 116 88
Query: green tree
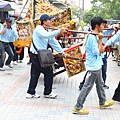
pixel 78 12
pixel 88 16
pixel 108 9
pixel 82 23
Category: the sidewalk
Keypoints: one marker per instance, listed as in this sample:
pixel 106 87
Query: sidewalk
pixel 14 105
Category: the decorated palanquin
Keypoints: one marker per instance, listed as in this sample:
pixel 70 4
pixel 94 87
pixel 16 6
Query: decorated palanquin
pixel 73 66
pixel 62 18
pixel 35 9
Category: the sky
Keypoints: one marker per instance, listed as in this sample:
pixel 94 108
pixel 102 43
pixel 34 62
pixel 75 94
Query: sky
pixel 87 4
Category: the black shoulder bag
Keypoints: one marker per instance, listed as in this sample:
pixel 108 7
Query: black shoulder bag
pixel 45 57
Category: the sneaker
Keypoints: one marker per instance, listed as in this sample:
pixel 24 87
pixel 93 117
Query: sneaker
pixel 28 96
pixel 10 66
pixel 81 111
pixel 28 63
pixel 114 60
pixel 106 87
pixel 107 104
pixel 51 95
pixel 118 63
pixel 20 61
pixel 2 69
pixel 14 63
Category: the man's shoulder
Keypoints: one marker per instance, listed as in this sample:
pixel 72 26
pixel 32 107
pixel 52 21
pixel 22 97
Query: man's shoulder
pixel 1 26
pixel 13 28
pixel 39 26
pixel 91 36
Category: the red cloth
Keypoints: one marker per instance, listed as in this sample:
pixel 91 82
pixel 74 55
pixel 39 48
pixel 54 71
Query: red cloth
pixel 84 56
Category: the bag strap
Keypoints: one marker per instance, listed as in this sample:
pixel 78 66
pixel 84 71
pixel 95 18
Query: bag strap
pixel 34 46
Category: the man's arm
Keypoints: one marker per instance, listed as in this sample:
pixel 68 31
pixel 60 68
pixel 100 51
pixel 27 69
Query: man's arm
pixel 49 34
pixel 4 29
pixel 56 46
pixel 100 46
pixel 113 40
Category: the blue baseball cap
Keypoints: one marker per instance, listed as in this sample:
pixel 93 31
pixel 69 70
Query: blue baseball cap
pixel 45 17
pixel 9 19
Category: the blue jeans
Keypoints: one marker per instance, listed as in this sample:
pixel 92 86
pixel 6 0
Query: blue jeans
pixel 9 51
pixel 2 55
pixel 104 68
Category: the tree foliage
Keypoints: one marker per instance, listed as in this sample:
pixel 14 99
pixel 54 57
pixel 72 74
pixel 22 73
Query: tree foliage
pixel 88 16
pixel 108 9
pixel 82 23
pixel 77 11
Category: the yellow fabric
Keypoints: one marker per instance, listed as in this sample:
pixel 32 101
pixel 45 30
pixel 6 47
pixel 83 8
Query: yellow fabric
pixel 21 43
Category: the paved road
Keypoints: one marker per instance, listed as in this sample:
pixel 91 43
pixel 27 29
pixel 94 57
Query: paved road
pixel 14 105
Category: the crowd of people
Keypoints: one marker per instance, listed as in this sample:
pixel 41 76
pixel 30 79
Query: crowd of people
pixel 96 58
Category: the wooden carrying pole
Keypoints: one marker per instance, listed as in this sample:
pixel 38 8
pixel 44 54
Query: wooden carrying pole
pixel 64 38
pixel 68 57
pixel 22 10
pixel 33 10
pixel 84 32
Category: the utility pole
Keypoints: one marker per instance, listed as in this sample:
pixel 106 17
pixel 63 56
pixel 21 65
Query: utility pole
pixel 66 1
pixel 81 9
pixel 83 5
pixel 79 3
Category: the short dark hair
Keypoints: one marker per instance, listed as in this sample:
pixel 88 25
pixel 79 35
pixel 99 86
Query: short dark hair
pixel 96 21
pixel 105 21
pixel 42 22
